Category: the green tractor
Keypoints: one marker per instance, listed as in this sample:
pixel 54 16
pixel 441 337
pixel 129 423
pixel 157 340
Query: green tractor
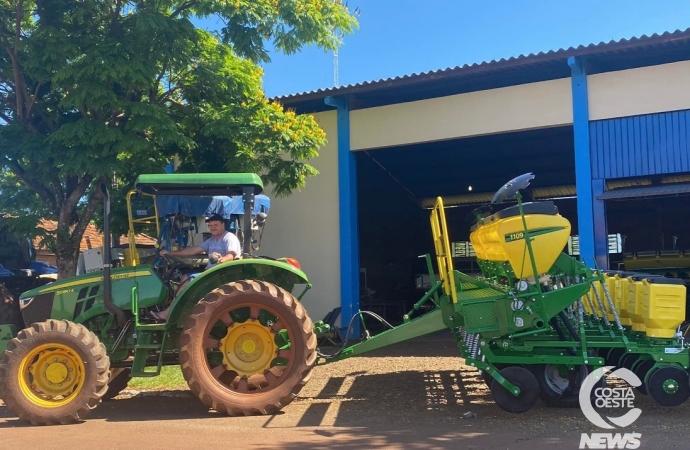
pixel 535 322
pixel 244 343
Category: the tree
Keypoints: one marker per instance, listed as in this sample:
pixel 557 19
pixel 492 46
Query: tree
pixel 101 90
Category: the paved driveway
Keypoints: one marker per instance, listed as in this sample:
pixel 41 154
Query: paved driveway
pixel 412 395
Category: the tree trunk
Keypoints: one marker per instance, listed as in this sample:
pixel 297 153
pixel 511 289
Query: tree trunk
pixel 67 256
pixel 70 230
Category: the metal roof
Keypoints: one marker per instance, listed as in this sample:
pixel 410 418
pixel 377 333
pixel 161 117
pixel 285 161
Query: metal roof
pixel 645 191
pixel 603 57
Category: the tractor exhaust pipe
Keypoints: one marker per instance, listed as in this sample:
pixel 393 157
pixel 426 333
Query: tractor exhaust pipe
pixel 107 262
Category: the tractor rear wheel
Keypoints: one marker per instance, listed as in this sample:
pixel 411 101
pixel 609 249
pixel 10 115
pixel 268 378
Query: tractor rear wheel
pixel 9 309
pixel 247 348
pixel 54 372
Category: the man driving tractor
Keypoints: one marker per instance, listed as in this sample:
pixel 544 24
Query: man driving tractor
pixel 221 247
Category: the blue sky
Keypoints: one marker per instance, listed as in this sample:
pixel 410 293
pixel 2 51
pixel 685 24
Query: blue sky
pixel 399 37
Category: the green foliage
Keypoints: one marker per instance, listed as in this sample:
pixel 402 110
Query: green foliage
pixel 98 91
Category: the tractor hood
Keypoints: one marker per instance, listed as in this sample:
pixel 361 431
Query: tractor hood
pixel 88 278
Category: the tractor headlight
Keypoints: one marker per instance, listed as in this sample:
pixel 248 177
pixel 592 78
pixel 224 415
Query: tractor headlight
pixel 24 302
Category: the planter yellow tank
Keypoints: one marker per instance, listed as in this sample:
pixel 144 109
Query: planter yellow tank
pixel 503 240
pixel 621 298
pixel 635 287
pixel 663 306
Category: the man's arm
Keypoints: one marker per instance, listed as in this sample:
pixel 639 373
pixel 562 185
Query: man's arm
pixel 187 251
pixel 226 258
pixel 232 248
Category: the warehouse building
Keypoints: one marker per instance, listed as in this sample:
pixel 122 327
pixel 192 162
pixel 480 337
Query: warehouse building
pixel 604 128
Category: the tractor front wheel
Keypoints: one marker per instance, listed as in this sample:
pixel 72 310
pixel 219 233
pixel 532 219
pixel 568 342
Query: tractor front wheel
pixel 54 372
pixel 247 348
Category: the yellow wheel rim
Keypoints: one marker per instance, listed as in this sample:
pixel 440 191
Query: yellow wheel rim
pixel 51 375
pixel 248 348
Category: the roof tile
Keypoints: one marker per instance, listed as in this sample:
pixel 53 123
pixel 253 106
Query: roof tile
pixel 94 236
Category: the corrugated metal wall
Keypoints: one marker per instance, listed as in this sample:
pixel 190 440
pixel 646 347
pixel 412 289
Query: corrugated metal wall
pixel 641 145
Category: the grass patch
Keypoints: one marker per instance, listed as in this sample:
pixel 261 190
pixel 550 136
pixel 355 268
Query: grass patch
pixel 170 378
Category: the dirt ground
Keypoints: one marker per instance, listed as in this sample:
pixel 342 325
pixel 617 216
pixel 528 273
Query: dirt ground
pixel 414 395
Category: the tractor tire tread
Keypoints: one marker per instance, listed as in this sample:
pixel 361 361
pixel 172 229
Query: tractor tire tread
pixel 197 321
pixel 81 340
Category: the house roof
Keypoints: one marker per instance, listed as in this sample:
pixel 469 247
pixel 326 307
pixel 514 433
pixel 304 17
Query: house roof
pixel 609 56
pixel 94 236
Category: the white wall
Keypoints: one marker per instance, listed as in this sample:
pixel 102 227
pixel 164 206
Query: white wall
pixel 633 92
pixel 528 106
pixel 305 226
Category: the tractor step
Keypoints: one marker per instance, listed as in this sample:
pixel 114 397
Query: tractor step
pixel 145 347
pixel 151 327
pixel 148 346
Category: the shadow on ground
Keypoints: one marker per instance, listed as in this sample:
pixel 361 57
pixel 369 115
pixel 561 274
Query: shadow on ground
pixel 405 408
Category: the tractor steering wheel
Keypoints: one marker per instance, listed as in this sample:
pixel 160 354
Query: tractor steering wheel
pixel 176 261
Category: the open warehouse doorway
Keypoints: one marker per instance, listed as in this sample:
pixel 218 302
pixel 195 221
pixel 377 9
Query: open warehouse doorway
pixel 652 220
pixel 397 187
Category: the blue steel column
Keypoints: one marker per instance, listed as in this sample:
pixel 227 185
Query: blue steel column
pixel 601 241
pixel 349 239
pixel 591 213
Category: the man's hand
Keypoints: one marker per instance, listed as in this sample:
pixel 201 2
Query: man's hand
pixel 214 258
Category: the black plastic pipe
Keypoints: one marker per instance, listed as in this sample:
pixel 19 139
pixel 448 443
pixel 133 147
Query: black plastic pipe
pixel 248 198
pixel 107 262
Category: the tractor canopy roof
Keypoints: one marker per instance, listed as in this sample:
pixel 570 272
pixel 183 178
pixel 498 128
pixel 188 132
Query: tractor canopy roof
pixel 204 184
pixel 206 206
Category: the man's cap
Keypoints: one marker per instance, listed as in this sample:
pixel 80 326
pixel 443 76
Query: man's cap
pixel 217 217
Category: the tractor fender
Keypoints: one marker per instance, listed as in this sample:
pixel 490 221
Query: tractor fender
pixel 272 271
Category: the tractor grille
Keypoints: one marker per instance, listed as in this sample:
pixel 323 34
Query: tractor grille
pixel 480 316
pixel 85 300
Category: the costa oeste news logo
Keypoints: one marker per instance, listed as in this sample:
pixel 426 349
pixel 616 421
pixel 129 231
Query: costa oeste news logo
pixel 611 397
